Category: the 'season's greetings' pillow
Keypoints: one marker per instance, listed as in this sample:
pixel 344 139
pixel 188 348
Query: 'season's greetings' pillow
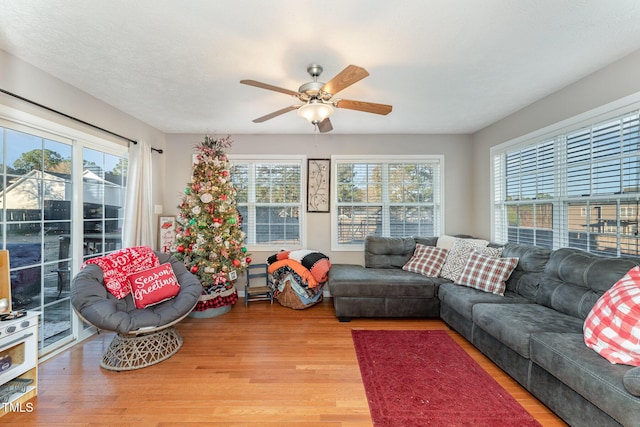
pixel 153 286
pixel 118 265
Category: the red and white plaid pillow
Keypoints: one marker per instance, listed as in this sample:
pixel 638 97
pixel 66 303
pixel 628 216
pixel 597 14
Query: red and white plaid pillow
pixel 486 273
pixel 426 260
pixel 611 327
pixel 458 256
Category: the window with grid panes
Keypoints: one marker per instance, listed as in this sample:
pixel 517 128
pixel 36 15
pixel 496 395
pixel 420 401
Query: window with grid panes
pixel 579 188
pixel 385 196
pixel 269 198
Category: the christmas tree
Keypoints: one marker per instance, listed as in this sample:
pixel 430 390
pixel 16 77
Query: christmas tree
pixel 209 238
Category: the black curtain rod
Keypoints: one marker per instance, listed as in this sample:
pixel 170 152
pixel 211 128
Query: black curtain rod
pixel 74 118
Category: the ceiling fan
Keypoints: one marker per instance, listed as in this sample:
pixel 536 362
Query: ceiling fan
pixel 319 98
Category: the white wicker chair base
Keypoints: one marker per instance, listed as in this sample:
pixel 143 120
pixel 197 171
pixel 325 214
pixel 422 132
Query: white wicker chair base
pixel 128 352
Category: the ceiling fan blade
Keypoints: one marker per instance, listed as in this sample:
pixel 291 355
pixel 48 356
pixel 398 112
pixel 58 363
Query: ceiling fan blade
pixel 345 78
pixel 269 87
pixel 367 107
pixel 325 126
pixel 275 114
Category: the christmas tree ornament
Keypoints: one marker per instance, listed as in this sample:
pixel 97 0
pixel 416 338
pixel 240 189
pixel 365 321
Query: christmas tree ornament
pixel 206 198
pixel 187 190
pixel 243 249
pixel 236 263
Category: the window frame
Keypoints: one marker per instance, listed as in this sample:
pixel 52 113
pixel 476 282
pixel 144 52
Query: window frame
pixel 300 160
pixel 32 124
pixel 438 203
pixel 561 200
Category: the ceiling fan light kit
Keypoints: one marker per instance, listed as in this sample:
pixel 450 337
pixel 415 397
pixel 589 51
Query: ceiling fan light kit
pixel 318 97
pixel 315 111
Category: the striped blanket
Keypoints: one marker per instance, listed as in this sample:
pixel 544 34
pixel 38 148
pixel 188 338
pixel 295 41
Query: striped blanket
pixel 312 266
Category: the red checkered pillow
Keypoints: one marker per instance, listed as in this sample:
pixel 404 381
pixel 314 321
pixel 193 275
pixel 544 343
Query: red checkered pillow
pixel 153 286
pixel 486 273
pixel 611 327
pixel 426 260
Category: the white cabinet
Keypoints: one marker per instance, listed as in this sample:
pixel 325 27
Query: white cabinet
pixel 18 363
pixel 18 350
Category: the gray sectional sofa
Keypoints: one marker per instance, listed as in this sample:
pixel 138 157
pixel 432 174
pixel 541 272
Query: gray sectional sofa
pixel 533 332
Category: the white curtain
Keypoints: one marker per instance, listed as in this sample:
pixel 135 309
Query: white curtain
pixel 138 211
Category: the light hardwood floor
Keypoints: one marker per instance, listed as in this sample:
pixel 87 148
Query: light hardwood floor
pixel 264 365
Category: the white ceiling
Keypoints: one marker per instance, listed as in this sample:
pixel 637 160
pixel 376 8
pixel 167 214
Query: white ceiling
pixel 446 66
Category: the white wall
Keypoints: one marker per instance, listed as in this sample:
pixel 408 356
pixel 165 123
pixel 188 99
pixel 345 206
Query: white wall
pixel 456 149
pixel 612 83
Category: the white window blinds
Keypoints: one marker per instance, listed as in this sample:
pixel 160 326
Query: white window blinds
pixel 386 197
pixel 579 188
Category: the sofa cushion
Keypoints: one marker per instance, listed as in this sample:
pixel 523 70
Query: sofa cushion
pixel 611 327
pixel 347 280
pixel 631 381
pixel 462 299
pixel 513 324
pixel 526 277
pixel 574 280
pixel 458 255
pixel 388 252
pixel 426 260
pixel 486 273
pixel 567 358
pixel 427 241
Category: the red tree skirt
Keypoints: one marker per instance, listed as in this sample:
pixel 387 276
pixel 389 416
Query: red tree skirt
pixel 219 301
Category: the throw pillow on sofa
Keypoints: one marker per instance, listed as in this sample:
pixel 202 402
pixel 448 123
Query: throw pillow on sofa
pixel 426 260
pixel 458 255
pixel 486 273
pixel 612 325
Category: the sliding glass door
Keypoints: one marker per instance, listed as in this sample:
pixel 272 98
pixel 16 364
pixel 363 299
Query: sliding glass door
pixel 49 184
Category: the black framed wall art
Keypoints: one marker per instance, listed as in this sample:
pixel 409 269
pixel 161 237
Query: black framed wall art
pixel 318 180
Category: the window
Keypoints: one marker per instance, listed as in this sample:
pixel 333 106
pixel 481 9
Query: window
pixel 579 188
pixel 39 194
pixel 385 196
pixel 104 182
pixel 269 196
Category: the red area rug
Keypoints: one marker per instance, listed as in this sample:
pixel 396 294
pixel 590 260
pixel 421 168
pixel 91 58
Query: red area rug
pixel 424 378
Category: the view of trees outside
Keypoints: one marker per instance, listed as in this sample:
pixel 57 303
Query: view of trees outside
pixel 374 197
pixel 37 187
pixel 269 198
